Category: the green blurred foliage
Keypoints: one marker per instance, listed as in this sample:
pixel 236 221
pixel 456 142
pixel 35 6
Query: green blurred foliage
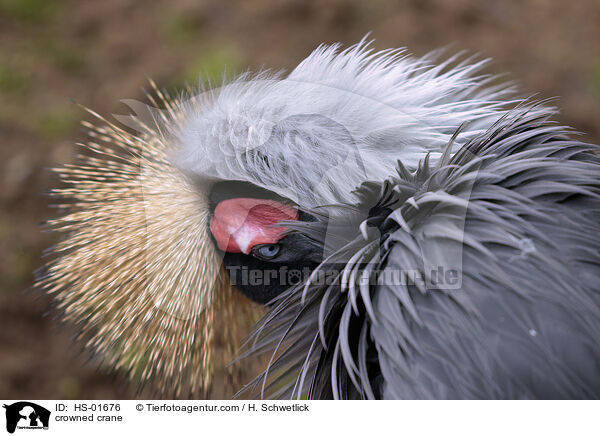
pixel 11 81
pixel 69 388
pixel 67 58
pixel 56 123
pixel 180 28
pixel 18 269
pixel 5 228
pixel 23 264
pixel 209 69
pixel 29 11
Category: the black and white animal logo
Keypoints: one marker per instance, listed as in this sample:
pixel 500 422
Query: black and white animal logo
pixel 26 415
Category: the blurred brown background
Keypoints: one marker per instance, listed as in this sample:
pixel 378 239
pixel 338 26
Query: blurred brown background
pixel 95 53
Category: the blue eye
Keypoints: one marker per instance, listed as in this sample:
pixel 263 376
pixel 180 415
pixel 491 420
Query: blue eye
pixel 266 251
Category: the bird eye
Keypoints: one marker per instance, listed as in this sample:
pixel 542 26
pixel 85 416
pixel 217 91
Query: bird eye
pixel 266 251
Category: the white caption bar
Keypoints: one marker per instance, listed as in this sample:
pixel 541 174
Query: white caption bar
pixel 300 417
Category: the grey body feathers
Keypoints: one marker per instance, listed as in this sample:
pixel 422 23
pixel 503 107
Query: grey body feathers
pixel 525 321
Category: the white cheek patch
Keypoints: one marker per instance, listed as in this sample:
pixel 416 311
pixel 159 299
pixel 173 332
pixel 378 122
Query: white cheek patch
pixel 244 237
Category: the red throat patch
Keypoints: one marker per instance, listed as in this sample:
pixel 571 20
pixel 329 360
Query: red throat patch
pixel 238 224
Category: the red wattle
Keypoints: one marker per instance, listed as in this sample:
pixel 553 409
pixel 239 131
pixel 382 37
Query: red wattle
pixel 238 224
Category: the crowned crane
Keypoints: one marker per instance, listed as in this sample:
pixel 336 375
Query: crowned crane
pixel 412 228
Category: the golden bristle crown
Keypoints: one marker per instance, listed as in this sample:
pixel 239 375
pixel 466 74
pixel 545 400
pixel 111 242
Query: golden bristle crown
pixel 136 270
